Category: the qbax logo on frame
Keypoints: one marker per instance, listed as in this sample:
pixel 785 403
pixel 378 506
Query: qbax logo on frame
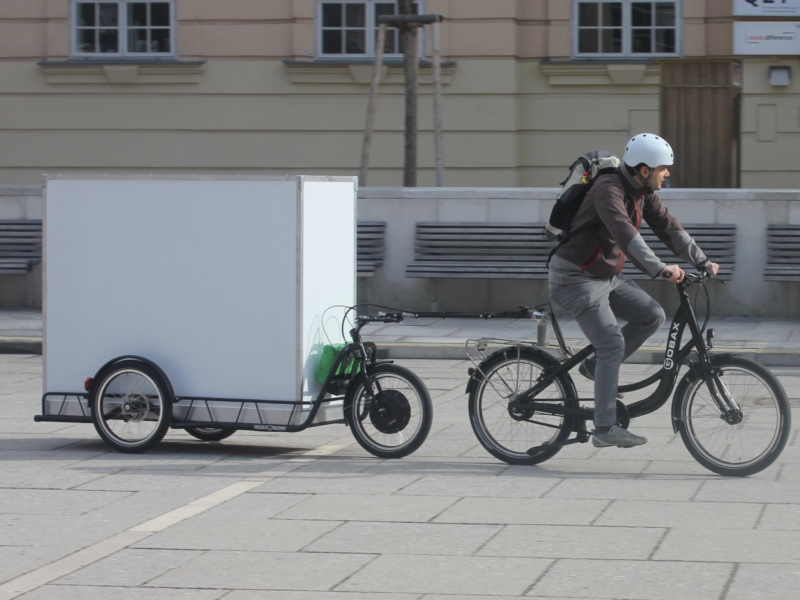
pixel 673 341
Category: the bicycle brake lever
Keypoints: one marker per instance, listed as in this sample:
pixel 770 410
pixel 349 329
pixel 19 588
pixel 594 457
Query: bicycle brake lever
pixel 710 275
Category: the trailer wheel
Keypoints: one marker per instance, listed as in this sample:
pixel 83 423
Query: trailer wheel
pixel 131 406
pixel 210 434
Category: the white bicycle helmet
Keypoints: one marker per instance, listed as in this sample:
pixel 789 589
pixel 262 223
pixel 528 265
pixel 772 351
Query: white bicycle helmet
pixel 648 149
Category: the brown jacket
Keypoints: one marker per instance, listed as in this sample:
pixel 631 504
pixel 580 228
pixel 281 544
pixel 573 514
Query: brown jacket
pixel 605 230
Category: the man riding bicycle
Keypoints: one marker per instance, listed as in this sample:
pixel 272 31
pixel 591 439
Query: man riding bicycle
pixel 586 279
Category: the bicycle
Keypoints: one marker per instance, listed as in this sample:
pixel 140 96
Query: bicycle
pixel 732 413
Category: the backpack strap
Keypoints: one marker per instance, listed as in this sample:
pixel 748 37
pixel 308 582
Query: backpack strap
pixel 564 237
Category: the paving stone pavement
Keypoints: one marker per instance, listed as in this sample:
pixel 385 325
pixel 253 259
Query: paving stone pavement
pixel 311 516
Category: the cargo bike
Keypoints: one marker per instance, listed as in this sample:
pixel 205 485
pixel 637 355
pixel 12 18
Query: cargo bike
pixel 132 403
pixel 203 304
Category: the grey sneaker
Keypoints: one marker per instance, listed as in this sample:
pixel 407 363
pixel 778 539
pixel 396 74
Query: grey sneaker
pixel 617 436
pixel 587 369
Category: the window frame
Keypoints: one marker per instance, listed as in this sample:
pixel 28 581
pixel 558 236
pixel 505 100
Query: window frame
pixel 371 33
pixel 627 33
pixel 123 28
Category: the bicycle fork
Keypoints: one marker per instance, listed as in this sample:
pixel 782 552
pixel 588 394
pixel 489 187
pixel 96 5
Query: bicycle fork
pixel 364 362
pixel 729 409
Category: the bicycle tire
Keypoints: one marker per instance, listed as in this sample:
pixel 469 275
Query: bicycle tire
pixel 131 406
pixel 721 447
pixel 210 434
pixel 398 420
pixel 511 437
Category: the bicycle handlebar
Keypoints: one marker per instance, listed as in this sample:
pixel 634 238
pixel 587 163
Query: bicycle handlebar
pixel 701 275
pixel 394 317
pixel 522 312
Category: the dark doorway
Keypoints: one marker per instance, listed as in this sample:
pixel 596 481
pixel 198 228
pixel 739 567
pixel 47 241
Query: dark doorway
pixel 700 119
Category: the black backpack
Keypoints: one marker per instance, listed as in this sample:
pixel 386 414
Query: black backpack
pixel 582 175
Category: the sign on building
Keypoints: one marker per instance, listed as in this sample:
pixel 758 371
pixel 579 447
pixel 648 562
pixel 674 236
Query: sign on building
pixel 785 8
pixel 758 37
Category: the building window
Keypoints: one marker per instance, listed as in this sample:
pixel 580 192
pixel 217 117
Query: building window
pixel 626 29
pixel 127 29
pixel 350 29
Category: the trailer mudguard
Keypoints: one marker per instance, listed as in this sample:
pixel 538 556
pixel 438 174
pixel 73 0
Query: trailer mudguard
pixel 141 359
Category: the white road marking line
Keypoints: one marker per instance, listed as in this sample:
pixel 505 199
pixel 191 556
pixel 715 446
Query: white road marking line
pixel 64 566
pixel 82 558
pixel 196 507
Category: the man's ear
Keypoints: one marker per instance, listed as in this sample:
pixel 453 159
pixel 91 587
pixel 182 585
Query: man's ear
pixel 645 172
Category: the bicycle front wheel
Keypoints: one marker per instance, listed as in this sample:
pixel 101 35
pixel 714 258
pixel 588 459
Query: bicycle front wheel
pixel 508 433
pixel 397 420
pixel 759 433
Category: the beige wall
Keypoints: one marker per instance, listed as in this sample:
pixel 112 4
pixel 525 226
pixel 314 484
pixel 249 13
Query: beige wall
pixel 770 126
pixel 511 119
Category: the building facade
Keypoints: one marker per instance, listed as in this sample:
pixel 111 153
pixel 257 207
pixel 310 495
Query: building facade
pixel 281 86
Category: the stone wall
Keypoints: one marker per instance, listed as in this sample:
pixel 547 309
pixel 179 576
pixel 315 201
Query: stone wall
pixel 747 294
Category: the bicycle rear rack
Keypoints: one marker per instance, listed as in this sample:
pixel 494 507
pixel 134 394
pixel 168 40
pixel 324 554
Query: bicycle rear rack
pixel 478 349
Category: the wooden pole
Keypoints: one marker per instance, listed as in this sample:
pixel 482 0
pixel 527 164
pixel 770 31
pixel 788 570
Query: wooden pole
pixel 373 97
pixel 410 64
pixel 437 105
pixel 408 24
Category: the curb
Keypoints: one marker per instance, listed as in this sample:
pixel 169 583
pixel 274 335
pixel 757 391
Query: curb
pixel 643 356
pixel 456 351
pixel 20 345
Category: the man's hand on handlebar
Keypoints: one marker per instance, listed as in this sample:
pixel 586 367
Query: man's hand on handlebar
pixel 673 273
pixel 712 268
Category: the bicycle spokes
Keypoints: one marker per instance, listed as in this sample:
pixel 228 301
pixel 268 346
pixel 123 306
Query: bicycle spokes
pixel 747 432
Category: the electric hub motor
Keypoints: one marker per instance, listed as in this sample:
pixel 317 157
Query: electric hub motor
pixel 390 412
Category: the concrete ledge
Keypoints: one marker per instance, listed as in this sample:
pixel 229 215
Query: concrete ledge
pixel 643 356
pixel 457 351
pixel 20 345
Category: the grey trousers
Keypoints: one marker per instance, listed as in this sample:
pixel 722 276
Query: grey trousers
pixel 596 304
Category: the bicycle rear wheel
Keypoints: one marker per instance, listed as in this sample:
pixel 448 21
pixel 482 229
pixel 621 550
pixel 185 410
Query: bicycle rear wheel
pixel 507 433
pixel 735 449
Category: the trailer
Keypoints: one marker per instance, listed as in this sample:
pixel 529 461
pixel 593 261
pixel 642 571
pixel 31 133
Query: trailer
pixel 206 304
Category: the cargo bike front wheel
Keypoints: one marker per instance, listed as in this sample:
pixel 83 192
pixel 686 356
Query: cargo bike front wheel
pixel 396 421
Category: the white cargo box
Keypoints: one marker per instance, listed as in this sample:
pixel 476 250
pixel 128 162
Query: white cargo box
pixel 222 282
